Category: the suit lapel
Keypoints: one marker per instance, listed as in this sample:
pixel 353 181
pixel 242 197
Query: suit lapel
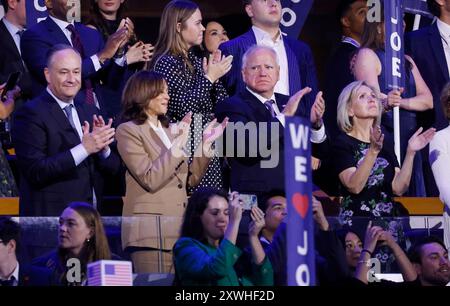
pixel 153 138
pixel 294 75
pixel 8 41
pixel 61 120
pixel 55 31
pixel 259 110
pixel 438 50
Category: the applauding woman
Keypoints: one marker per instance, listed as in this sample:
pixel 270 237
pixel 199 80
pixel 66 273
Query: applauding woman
pixel 158 170
pixel 193 82
pixel 368 170
pixel 206 253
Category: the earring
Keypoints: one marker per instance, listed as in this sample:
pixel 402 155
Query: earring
pixel 88 240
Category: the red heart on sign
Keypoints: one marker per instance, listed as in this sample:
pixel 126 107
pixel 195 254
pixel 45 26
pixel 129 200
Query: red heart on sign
pixel 301 204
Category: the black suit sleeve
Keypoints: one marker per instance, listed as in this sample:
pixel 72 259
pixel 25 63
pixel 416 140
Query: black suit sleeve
pixel 31 144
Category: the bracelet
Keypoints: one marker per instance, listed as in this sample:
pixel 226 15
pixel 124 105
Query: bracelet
pixel 367 251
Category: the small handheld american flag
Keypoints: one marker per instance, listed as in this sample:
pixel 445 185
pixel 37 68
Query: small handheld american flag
pixel 110 273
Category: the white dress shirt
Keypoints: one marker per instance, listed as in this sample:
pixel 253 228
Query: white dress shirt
pixel 317 136
pixel 15 274
pixel 444 30
pixel 13 30
pixel 264 39
pixel 159 130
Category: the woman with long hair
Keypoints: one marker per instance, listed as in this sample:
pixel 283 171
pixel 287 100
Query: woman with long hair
pixel 158 170
pixel 206 253
pixel 81 236
pixel 415 97
pixel 193 82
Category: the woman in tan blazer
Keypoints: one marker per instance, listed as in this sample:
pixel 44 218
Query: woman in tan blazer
pixel 158 170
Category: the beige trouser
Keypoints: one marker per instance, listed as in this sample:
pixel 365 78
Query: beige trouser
pixel 152 261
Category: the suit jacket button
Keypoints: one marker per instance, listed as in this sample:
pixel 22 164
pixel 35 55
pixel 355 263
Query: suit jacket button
pixel 184 204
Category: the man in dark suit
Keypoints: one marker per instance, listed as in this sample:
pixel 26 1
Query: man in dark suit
pixel 429 47
pixel 296 60
pixel 98 63
pixel 351 14
pixel 60 158
pixel 11 273
pixel 12 27
pixel 257 161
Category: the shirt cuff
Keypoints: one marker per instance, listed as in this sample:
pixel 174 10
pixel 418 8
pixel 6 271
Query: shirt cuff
pixel 96 62
pixel 121 61
pixel 105 153
pixel 79 154
pixel 318 136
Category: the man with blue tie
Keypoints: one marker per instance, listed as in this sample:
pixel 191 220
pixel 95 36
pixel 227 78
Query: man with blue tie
pixel 100 69
pixel 60 157
pixel 430 49
pixel 258 105
pixel 297 68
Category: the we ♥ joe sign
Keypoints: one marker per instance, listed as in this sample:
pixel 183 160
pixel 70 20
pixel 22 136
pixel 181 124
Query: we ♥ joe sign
pixel 301 269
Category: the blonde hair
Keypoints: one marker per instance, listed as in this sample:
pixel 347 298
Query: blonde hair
pixel 344 121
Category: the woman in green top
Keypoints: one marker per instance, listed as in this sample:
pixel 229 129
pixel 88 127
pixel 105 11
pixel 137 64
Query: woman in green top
pixel 206 253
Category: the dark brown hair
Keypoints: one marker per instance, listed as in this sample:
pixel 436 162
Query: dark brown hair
pixel 434 8
pixel 140 89
pixel 371 37
pixel 97 247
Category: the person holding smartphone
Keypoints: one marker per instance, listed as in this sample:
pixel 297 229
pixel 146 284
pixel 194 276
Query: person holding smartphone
pixel 206 253
pixel 8 186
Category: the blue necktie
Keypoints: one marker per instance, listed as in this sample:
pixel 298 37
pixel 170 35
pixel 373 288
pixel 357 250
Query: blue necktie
pixel 7 283
pixel 269 105
pixel 68 111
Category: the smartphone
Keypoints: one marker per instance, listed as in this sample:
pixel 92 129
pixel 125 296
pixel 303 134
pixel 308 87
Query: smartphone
pixel 248 201
pixel 13 79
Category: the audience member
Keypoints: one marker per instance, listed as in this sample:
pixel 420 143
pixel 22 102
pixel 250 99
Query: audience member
pixel 429 257
pixel 297 68
pixel 12 26
pixel 8 186
pixel 273 204
pixel 11 273
pixel 258 107
pixel 368 170
pixel 60 157
pixel 351 15
pixel 158 169
pixel 81 239
pixel 376 237
pixel 206 252
pixel 99 71
pixel 194 86
pixel 440 159
pixel 215 34
pixel 415 97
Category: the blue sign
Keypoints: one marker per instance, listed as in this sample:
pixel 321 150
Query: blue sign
pixel 36 12
pixel 294 14
pixel 395 59
pixel 301 267
pixel 419 7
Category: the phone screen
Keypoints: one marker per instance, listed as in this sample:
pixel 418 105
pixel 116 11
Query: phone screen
pixel 13 79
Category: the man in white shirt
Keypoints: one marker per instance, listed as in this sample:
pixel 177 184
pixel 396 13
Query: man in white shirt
pixel 253 170
pixel 60 157
pixel 12 25
pixel 297 68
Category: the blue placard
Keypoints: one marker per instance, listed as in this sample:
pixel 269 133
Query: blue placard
pixel 419 7
pixel 295 13
pixel 395 59
pixel 36 12
pixel 301 268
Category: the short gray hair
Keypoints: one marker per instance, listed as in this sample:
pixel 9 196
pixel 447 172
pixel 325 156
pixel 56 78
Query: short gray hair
pixel 57 48
pixel 254 49
pixel 344 122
